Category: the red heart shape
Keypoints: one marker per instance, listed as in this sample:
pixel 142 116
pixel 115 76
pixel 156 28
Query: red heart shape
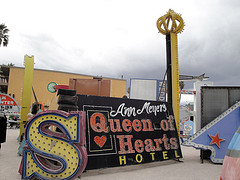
pixel 100 141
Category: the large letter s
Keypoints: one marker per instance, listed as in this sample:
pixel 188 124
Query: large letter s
pixel 55 145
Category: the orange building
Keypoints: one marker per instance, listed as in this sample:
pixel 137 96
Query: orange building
pixel 13 83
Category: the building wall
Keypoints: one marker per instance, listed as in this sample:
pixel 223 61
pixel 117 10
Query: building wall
pixel 15 83
pixel 42 78
pixel 118 88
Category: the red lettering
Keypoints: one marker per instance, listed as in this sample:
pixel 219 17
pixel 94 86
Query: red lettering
pixel 149 145
pixel 165 142
pixel 137 126
pixel 147 125
pixel 164 125
pixel 98 123
pixel 171 124
pixel 125 146
pixel 126 125
pixel 174 143
pixel 158 142
pixel 112 126
pixel 139 146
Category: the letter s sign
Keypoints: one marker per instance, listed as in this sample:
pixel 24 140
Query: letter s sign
pixel 55 146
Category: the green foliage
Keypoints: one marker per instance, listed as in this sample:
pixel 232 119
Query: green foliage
pixel 9 64
pixel 3 35
pixel 181 85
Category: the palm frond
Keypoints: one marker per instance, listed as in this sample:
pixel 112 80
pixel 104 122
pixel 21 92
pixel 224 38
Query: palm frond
pixel 3 35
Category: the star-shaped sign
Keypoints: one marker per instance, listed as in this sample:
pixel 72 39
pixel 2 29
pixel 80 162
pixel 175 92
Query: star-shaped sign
pixel 216 140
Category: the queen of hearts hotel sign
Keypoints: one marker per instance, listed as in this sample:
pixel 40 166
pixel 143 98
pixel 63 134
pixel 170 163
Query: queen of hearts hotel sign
pixel 125 131
pixel 105 132
pixel 8 104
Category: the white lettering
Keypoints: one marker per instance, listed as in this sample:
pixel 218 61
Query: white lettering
pixel 131 111
pixel 124 111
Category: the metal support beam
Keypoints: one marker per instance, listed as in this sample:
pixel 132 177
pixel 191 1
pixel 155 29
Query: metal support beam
pixel 169 69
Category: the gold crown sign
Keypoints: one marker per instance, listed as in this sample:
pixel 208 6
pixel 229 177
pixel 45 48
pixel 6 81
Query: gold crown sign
pixel 170 22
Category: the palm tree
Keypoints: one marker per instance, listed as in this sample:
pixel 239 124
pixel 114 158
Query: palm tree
pixel 3 35
pixel 181 86
pixel 10 64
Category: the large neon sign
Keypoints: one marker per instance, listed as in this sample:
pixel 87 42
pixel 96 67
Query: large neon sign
pixel 128 131
pixel 55 146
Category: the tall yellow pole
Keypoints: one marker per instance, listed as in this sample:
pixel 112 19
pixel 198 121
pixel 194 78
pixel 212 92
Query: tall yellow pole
pixel 164 27
pixel 26 92
pixel 175 80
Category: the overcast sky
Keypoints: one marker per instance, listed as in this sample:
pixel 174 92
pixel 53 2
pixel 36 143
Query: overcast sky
pixel 112 38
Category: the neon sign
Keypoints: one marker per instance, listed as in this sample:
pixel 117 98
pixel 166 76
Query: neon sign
pixel 128 131
pixel 58 153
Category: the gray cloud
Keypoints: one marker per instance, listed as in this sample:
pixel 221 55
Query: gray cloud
pixel 112 42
